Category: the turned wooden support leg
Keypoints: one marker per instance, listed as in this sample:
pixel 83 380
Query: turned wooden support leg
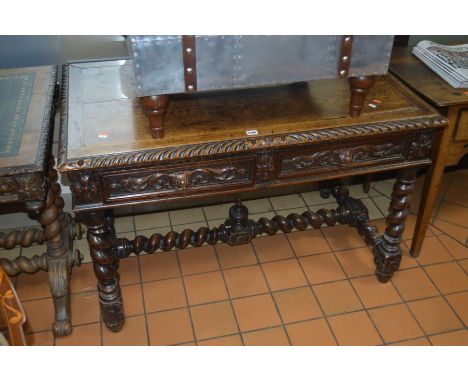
pixel 101 235
pixel 387 253
pixel 155 109
pixel 359 88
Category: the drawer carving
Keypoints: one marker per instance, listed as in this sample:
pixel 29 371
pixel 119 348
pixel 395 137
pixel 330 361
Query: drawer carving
pixel 342 157
pixel 185 179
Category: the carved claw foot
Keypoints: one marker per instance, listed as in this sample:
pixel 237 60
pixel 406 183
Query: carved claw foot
pixel 62 328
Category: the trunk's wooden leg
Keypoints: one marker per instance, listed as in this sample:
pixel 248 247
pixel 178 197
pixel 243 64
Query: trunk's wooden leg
pixel 359 88
pixel 155 109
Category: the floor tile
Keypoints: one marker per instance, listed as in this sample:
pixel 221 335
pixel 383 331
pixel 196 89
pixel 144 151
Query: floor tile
pixel 164 294
pixel 456 338
pixel 235 256
pixel 287 201
pixel 297 304
pixel 40 339
pixel 233 340
pixel 82 335
pixel 124 224
pixel 313 198
pixel 337 297
pixel 453 213
pixel 456 194
pixel 266 337
pixel 213 320
pixel 310 333
pixel 384 187
pixel 357 262
pixel 413 284
pixel 187 215
pixel 197 260
pixel 322 268
pixel 423 341
pixel 432 251
pixel 153 220
pixel 373 293
pixel 129 271
pixel 457 250
pixel 460 178
pixel 133 333
pixel 342 237
pixel 395 323
pixel 83 247
pixel 448 277
pixel 83 279
pixel 245 281
pixel 257 206
pixel 170 327
pixel 133 300
pixel 159 266
pixel 33 250
pixel 284 274
pixel 407 261
pixel 256 312
pixel 218 211
pixel 464 265
pixel 308 242
pixel 459 302
pixel 85 308
pixel 205 287
pixel 271 248
pixel 455 231
pixel 372 210
pixel 39 315
pixel 10 254
pixel 34 286
pixel 434 315
pixel 354 329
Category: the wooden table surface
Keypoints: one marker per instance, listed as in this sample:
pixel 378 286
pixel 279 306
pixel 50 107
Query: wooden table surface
pixel 424 81
pixel 32 153
pixel 103 117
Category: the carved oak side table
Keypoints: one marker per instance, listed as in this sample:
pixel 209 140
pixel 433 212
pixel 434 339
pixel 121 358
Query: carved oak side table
pixel 233 145
pixel 29 181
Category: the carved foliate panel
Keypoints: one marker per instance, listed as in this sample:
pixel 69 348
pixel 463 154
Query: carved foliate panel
pixel 265 165
pixel 85 188
pixel 187 179
pixel 421 145
pixel 23 188
pixel 342 157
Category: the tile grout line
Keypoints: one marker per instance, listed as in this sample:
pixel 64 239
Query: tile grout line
pixel 183 286
pixel 227 289
pixel 311 289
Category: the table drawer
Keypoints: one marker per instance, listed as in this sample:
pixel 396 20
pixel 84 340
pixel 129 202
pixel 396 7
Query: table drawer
pixel 312 159
pixel 461 128
pixel 184 179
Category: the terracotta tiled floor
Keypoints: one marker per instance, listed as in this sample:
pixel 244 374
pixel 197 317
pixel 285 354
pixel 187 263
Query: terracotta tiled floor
pixel 315 287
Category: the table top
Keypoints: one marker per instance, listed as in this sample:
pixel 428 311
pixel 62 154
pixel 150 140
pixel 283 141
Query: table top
pixel 420 78
pixel 103 125
pixel 26 96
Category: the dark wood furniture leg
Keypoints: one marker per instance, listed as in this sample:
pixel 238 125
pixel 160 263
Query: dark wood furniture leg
pixel 359 88
pixel 155 109
pixel 387 253
pixel 101 235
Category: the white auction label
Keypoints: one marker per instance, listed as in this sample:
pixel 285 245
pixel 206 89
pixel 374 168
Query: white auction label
pixel 251 132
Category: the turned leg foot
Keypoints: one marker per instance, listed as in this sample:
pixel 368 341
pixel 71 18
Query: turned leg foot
pixel 359 88
pixel 100 236
pixel 387 253
pixel 155 109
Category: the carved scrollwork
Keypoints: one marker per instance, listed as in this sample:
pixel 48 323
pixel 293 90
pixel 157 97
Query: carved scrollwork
pixel 421 146
pixel 343 157
pixel 85 188
pixel 178 180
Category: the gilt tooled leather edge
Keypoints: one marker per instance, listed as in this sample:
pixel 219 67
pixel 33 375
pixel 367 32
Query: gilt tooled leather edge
pixel 243 144
pixel 43 148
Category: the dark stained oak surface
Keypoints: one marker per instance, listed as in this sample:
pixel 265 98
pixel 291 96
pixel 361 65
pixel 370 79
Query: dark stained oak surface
pixel 31 155
pixel 102 115
pixel 420 78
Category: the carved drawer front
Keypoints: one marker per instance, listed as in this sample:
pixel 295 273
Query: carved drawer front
pixel 316 159
pixel 461 129
pixel 185 179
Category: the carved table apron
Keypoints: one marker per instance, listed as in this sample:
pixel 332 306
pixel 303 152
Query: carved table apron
pixel 301 136
pixel 28 180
